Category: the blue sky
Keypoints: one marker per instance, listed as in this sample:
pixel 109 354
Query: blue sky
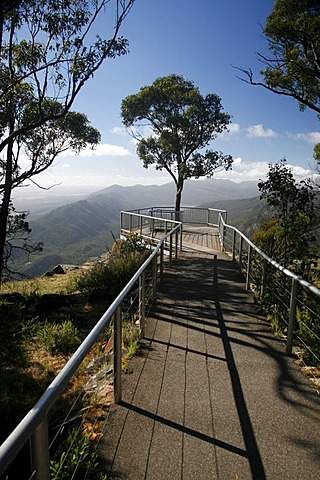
pixel 201 41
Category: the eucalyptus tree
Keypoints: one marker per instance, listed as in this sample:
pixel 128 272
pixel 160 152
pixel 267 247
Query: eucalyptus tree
pixel 292 68
pixel 182 123
pixel 294 215
pixel 40 148
pixel 48 51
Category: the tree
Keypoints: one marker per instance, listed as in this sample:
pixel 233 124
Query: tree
pixel 182 122
pixel 293 66
pixel 47 54
pixel 41 146
pixel 18 241
pixel 293 215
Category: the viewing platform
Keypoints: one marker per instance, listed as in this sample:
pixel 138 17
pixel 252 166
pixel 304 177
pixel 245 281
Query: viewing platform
pixel 212 394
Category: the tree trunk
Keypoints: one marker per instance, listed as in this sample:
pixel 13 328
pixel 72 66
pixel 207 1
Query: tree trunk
pixel 178 200
pixel 5 205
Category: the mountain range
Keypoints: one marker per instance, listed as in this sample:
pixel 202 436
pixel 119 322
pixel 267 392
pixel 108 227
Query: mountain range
pixel 82 230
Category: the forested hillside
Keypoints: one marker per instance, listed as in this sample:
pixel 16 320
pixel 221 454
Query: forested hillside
pixel 82 230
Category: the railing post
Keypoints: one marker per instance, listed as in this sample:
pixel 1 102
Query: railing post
pixel 140 225
pixel 130 223
pixel 215 270
pixel 170 251
pixel 263 279
pixel 154 276
pixel 234 245
pixel 161 261
pixel 176 245
pixel 39 445
pixel 222 235
pixel 142 302
pixel 117 356
pixel 240 254
pixel 181 233
pixel 248 267
pixel 292 316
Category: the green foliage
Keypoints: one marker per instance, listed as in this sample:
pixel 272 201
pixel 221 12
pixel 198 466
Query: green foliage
pixel 289 235
pixel 292 67
pixel 76 456
pixel 106 280
pixel 58 337
pixel 183 123
pixel 12 335
pixel 293 33
pixel 47 54
pixel 308 329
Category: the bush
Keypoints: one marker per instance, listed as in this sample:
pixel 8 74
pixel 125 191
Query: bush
pixel 105 281
pixel 12 335
pixel 309 332
pixel 58 337
pixel 76 457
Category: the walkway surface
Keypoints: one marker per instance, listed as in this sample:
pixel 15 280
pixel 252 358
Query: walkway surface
pixel 212 394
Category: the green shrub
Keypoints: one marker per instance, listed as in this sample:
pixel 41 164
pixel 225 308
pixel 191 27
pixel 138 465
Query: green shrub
pixel 309 332
pixel 58 337
pixel 76 458
pixel 12 335
pixel 105 281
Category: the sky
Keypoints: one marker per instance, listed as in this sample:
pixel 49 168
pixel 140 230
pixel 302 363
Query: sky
pixel 202 41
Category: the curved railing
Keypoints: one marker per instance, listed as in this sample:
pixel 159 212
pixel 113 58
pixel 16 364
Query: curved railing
pixel 34 426
pixel 294 297
pixel 163 234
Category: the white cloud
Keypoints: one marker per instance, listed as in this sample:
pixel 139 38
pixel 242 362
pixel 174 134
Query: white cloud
pixel 119 131
pixel 66 165
pixel 103 150
pixel 234 128
pixel 255 171
pixel 257 131
pixel 312 137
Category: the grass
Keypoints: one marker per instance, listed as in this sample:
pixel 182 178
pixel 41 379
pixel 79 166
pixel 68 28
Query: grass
pixel 58 284
pixel 37 339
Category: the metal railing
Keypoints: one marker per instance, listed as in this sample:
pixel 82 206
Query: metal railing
pixel 293 299
pixel 157 227
pixel 34 426
pixel 190 215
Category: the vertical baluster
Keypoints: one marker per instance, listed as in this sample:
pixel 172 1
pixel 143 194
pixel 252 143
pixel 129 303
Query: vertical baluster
pixel 117 355
pixel 39 445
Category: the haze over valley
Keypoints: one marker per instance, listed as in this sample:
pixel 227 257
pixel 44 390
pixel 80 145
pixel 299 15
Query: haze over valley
pixel 75 227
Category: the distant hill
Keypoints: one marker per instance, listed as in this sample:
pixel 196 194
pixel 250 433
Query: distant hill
pixel 82 230
pixel 195 192
pixel 246 214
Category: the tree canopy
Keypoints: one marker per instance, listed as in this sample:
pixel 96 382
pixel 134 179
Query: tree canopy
pixel 290 234
pixel 47 54
pixel 181 122
pixel 293 66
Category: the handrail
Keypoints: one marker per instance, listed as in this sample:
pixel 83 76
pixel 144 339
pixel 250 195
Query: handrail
pixel 34 423
pixel 277 265
pixel 37 415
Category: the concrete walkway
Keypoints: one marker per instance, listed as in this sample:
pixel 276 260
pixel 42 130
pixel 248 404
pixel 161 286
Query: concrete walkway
pixel 212 394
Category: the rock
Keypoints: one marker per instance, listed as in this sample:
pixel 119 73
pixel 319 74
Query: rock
pixel 57 270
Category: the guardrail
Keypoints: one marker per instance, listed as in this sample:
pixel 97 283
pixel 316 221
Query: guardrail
pixel 294 299
pixel 157 227
pixel 190 215
pixel 34 426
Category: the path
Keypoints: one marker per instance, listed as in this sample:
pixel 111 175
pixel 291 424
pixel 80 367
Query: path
pixel 212 395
